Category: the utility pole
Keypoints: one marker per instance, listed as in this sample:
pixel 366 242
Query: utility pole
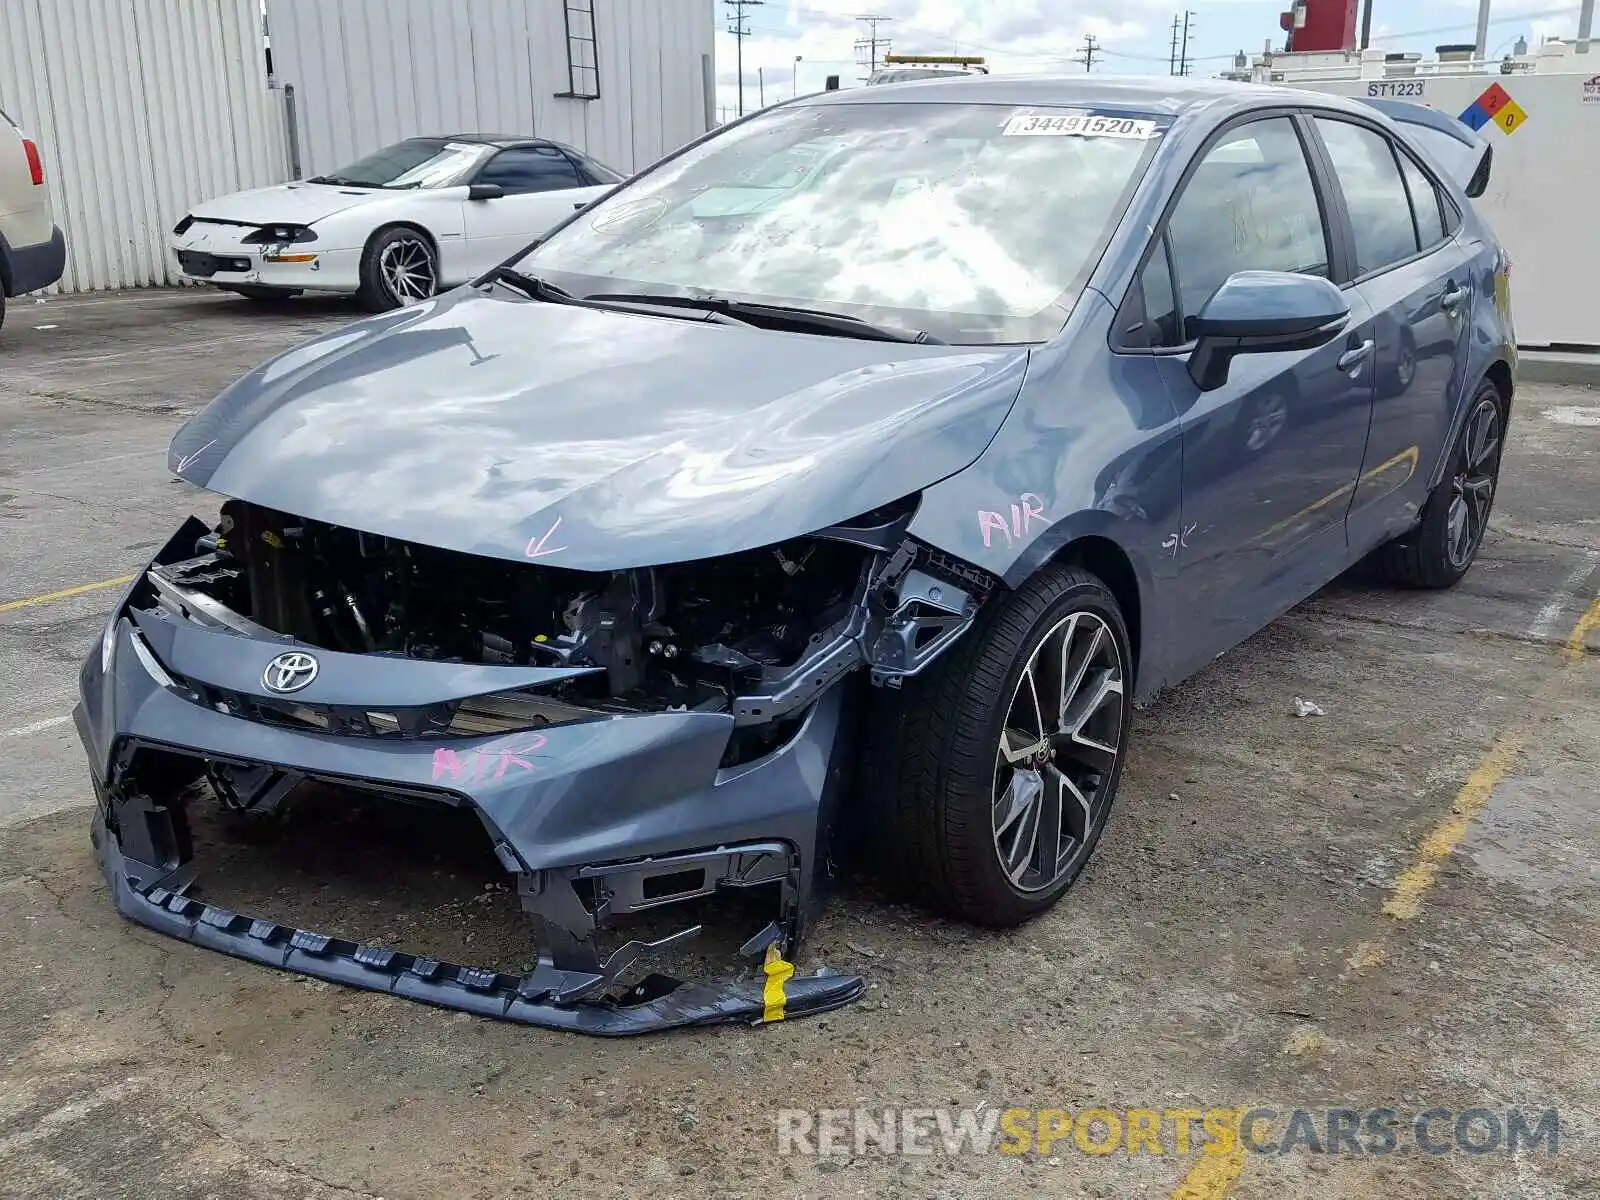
pixel 1172 54
pixel 872 41
pixel 761 84
pixel 1366 24
pixel 1183 50
pixel 740 31
pixel 1090 46
pixel 1482 43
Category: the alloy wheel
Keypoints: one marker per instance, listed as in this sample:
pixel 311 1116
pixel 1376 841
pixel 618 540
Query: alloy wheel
pixel 1058 753
pixel 407 267
pixel 1472 487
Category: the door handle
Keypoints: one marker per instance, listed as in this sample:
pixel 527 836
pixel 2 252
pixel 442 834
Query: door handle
pixel 1454 297
pixel 1351 359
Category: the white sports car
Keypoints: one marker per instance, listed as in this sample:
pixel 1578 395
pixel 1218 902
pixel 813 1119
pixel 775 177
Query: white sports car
pixel 413 219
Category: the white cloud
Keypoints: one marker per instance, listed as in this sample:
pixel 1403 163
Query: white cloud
pixel 1017 36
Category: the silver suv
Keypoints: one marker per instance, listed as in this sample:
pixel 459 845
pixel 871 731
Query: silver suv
pixel 33 252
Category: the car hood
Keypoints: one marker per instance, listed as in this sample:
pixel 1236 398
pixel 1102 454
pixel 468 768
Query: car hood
pixel 286 203
pixel 491 424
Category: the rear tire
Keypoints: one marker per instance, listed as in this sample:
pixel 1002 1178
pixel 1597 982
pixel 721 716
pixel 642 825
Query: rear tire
pixel 399 267
pixel 2 307
pixel 1443 546
pixel 963 769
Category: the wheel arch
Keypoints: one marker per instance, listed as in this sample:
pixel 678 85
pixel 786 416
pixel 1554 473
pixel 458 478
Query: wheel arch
pixel 401 223
pixel 1499 374
pixel 5 267
pixel 1089 542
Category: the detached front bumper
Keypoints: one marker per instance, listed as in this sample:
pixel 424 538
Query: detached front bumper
pixel 597 818
pixel 654 1003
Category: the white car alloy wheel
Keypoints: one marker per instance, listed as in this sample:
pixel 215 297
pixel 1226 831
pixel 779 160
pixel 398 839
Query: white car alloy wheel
pixel 408 270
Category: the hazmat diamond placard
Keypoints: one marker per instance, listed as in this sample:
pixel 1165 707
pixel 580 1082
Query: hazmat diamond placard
pixel 1494 104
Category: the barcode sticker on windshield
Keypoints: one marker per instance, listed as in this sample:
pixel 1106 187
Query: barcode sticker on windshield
pixel 1076 124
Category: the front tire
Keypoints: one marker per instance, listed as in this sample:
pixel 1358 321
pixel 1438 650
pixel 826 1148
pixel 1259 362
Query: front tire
pixel 1439 551
pixel 989 782
pixel 399 267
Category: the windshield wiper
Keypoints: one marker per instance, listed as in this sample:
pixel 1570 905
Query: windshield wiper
pixel 534 287
pixel 816 319
pixel 341 181
pixel 542 289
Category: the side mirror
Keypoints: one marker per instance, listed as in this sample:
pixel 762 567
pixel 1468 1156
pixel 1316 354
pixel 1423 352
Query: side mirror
pixel 485 191
pixel 1261 312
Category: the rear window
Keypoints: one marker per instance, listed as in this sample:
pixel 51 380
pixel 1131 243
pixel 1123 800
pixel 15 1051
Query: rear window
pixel 1455 156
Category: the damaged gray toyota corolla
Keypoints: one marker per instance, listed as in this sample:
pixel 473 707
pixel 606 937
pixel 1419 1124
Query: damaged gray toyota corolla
pixel 842 469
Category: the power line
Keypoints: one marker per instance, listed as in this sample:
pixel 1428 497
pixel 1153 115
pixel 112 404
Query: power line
pixel 1526 16
pixel 871 42
pixel 1183 47
pixel 741 31
pixel 1090 49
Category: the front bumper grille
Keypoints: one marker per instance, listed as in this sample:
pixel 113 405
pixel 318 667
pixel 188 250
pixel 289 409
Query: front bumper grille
pixel 480 716
pixel 202 265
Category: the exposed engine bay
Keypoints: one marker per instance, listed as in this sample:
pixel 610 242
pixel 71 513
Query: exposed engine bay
pixel 759 634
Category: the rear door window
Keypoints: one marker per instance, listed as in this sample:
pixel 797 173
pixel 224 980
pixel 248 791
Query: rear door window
pixel 1425 204
pixel 1374 192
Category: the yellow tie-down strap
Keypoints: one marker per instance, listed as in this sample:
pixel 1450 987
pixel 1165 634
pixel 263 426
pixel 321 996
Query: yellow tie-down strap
pixel 778 971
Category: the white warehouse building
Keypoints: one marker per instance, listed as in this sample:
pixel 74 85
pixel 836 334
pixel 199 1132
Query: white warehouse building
pixel 143 107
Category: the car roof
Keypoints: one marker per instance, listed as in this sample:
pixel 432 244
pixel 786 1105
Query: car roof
pixel 1148 93
pixel 490 139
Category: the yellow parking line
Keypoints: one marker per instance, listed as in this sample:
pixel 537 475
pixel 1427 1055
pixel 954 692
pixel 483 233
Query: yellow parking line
pixel 1590 621
pixel 1213 1176
pixel 1405 898
pixel 64 593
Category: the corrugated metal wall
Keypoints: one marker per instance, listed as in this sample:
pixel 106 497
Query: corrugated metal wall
pixel 369 72
pixel 140 107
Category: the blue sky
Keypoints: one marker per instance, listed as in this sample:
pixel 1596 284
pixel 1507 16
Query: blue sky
pixel 1037 36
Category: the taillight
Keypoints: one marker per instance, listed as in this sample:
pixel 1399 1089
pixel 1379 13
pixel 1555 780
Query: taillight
pixel 35 163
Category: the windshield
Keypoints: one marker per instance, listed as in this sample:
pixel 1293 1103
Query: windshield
pixel 414 163
pixel 974 223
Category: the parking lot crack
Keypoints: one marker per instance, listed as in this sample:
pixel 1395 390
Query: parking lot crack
pixel 1331 617
pixel 1537 539
pixel 57 901
pixel 103 402
pixel 294 1171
